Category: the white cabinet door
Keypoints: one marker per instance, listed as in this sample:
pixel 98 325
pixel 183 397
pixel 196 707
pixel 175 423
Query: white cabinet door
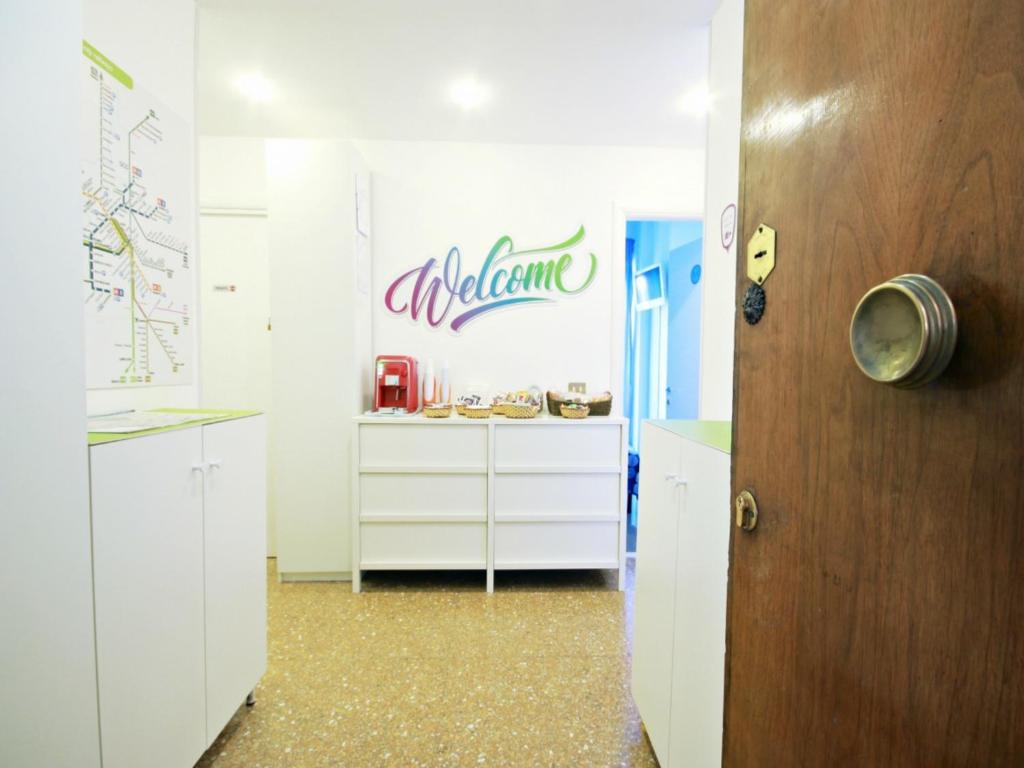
pixel 147 528
pixel 698 671
pixel 236 564
pixel 654 622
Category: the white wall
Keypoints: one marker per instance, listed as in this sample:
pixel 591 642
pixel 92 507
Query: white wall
pixel 232 173
pixel 154 41
pixel 318 326
pixel 725 83
pixel 429 196
pixel 47 656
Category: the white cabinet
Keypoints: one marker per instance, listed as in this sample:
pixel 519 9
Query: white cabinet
pixel 682 572
pixel 234 511
pixel 502 494
pixel 147 531
pixel 654 618
pixel 179 554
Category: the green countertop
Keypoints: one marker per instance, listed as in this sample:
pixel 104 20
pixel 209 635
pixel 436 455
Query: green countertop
pixel 714 434
pixel 213 415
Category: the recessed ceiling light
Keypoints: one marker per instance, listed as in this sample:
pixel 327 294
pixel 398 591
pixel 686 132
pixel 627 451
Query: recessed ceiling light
pixel 697 101
pixel 255 87
pixel 469 93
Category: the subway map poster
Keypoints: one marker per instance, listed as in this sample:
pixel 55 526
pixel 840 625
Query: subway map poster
pixel 138 227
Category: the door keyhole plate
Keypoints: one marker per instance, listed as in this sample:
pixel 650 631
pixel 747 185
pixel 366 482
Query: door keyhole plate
pixel 761 254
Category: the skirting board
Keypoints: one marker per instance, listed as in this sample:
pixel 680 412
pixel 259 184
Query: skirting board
pixel 296 576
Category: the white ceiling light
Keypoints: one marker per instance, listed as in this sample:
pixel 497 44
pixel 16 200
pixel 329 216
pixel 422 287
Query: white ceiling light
pixel 255 87
pixel 696 102
pixel 469 93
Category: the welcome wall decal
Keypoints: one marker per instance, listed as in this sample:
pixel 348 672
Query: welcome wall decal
pixel 434 292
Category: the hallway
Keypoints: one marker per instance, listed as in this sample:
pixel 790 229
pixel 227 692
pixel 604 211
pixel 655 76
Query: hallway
pixel 428 670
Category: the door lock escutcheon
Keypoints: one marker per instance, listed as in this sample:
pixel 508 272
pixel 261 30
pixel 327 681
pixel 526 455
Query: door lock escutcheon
pixel 746 511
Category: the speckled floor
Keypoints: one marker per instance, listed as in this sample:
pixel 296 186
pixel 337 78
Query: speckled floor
pixel 429 670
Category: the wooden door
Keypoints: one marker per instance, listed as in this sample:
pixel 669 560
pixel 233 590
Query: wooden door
pixel 234 518
pixel 876 615
pixel 147 538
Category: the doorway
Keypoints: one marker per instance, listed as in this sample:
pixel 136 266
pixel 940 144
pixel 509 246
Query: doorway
pixel 662 345
pixel 235 284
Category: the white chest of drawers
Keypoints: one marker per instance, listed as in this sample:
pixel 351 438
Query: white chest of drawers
pixel 495 494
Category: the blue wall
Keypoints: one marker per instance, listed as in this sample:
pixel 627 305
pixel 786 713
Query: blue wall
pixel 670 243
pixel 654 240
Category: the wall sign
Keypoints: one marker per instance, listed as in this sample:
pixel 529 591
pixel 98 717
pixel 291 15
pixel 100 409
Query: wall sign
pixel 439 293
pixel 728 225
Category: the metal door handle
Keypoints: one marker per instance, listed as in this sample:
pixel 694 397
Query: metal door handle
pixel 746 511
pixel 903 332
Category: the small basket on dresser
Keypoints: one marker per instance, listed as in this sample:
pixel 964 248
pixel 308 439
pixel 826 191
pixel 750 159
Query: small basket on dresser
pixel 574 410
pixel 520 411
pixel 600 405
pixel 437 411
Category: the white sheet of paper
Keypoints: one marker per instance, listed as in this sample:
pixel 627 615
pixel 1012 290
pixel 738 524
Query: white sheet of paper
pixel 139 421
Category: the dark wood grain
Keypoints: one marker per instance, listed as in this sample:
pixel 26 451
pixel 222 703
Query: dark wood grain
pixel 876 616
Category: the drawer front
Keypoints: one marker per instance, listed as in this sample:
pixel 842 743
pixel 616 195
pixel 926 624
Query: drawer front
pixel 422 446
pixel 568 495
pixel 423 495
pixel 569 445
pixel 556 545
pixel 403 546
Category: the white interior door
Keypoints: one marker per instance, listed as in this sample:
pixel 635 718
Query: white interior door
pixel 654 625
pixel 235 338
pixel 236 575
pixel 147 529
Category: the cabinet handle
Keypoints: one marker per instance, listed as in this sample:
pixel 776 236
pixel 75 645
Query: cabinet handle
pixel 670 477
pixel 680 482
pixel 199 468
pixel 213 464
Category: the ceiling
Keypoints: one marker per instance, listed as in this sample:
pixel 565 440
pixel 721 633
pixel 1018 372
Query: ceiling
pixel 560 71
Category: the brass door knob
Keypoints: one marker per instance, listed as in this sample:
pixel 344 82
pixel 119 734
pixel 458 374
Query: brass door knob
pixel 904 331
pixel 746 511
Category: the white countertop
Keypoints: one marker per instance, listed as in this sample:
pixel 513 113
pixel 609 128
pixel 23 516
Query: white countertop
pixel 543 418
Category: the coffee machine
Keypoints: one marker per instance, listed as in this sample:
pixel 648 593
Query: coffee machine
pixel 397 384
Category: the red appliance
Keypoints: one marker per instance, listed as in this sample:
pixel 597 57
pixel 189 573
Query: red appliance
pixel 397 384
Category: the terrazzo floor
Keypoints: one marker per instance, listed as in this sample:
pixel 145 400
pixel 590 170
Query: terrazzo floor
pixel 429 670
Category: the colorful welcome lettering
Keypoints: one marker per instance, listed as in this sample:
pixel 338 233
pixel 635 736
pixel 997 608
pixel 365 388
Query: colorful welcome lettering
pixel 432 296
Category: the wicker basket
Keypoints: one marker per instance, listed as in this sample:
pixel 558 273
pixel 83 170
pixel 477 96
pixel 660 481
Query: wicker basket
pixel 460 409
pixel 498 409
pixel 599 406
pixel 521 411
pixel 574 411
pixel 477 412
pixel 437 411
